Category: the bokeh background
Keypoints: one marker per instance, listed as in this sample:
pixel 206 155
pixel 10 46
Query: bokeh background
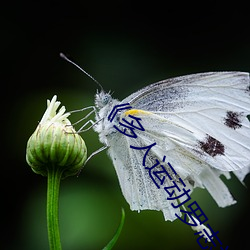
pixel 125 45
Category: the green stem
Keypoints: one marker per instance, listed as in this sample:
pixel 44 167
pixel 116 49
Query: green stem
pixel 54 177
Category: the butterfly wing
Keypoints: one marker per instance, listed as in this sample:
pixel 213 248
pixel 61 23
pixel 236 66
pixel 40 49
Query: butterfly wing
pixel 212 106
pixel 199 123
pixel 136 185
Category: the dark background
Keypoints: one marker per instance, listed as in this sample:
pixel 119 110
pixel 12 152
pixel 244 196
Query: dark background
pixel 125 45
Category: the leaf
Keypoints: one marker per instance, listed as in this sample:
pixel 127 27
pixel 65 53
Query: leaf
pixel 248 117
pixel 110 245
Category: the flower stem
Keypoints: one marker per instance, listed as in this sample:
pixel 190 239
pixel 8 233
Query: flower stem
pixel 54 177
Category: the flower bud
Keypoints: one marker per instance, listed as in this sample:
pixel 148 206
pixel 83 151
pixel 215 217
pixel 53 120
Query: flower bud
pixel 55 144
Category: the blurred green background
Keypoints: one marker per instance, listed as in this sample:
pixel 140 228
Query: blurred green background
pixel 125 47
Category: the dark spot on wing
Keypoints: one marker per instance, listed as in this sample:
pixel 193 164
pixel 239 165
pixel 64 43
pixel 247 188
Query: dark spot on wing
pixel 212 146
pixel 191 181
pixel 248 88
pixel 232 119
pixel 248 117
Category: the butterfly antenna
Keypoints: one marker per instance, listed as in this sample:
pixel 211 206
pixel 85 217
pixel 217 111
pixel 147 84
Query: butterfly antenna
pixel 86 73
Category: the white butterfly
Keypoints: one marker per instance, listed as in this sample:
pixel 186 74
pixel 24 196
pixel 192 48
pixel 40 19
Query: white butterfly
pixel 198 122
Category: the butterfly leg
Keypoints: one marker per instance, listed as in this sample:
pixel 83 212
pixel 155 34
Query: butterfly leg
pixel 96 152
pixel 86 116
pixel 92 154
pixel 81 129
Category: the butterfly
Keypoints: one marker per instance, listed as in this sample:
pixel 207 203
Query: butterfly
pixel 198 124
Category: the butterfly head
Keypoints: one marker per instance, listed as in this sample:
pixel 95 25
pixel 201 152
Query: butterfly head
pixel 102 99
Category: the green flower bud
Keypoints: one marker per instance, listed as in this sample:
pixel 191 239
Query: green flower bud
pixel 55 144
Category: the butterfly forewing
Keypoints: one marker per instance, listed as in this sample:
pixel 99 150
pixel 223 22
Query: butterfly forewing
pixel 211 107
